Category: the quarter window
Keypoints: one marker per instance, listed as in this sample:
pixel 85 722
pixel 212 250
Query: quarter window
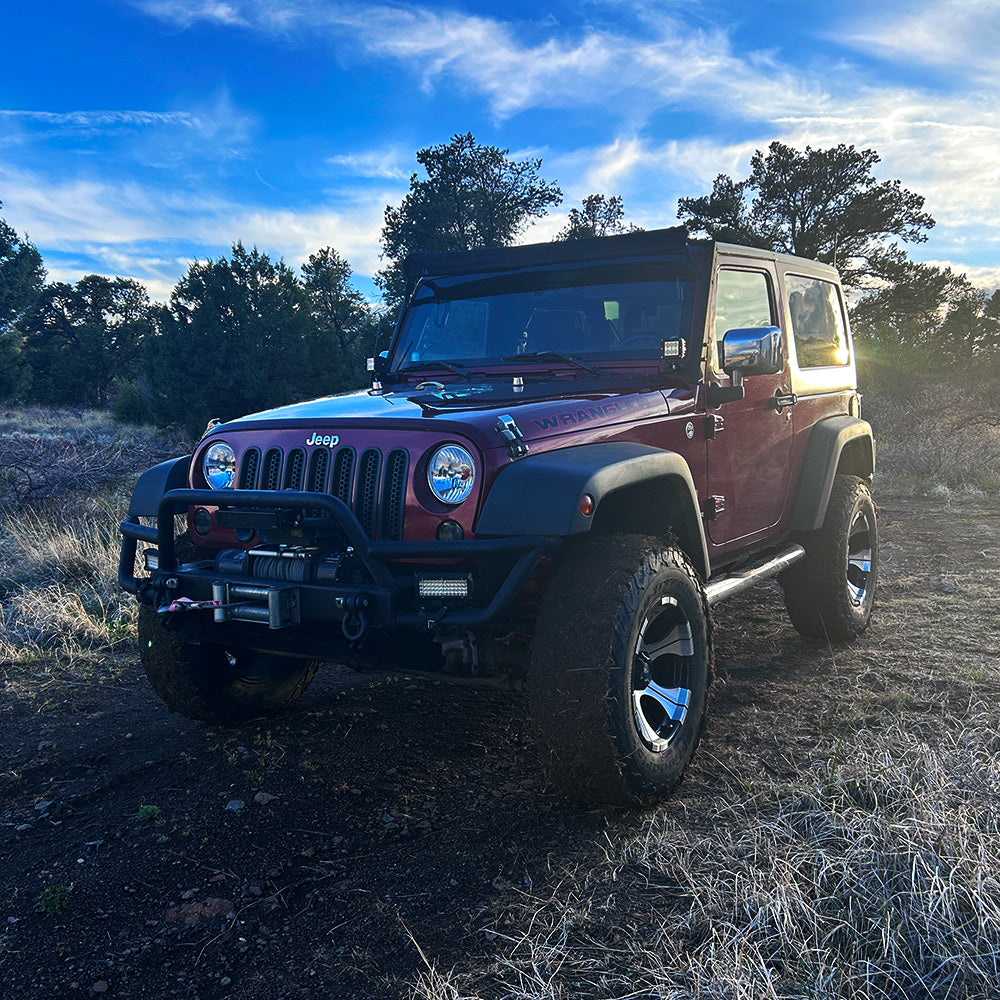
pixel 817 320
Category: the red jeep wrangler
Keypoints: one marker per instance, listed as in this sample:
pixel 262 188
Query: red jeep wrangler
pixel 570 452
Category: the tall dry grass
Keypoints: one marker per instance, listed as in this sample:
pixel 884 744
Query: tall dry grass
pixel 65 479
pixel 934 433
pixel 875 876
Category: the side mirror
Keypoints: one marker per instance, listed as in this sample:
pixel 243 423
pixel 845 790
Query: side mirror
pixel 754 351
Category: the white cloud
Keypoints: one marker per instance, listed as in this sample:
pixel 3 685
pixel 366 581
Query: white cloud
pixel 981 277
pixel 376 163
pixel 670 63
pixel 151 234
pixel 958 35
pixel 96 120
pixel 184 13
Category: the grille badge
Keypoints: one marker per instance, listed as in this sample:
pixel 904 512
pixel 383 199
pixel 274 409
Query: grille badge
pixel 331 440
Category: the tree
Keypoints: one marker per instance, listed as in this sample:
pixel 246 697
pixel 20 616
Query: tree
pixel 906 316
pixel 237 336
pixel 80 340
pixel 820 203
pixel 598 216
pixel 345 323
pixel 21 278
pixel 473 196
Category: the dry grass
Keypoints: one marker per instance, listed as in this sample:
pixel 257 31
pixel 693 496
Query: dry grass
pixel 65 478
pixel 930 437
pixel 58 577
pixel 875 875
pixel 49 456
pixel 869 868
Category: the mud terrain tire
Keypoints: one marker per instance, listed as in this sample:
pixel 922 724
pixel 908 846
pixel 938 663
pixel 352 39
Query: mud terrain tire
pixel 623 625
pixel 830 593
pixel 212 684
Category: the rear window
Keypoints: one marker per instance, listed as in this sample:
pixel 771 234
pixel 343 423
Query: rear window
pixel 816 314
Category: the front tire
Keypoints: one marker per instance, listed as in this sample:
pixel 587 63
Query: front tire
pixel 620 669
pixel 831 592
pixel 213 684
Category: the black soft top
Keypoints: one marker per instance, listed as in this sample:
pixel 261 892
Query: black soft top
pixel 650 243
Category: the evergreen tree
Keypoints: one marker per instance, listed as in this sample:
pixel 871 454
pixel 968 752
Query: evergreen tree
pixel 473 196
pixel 345 323
pixel 820 203
pixel 597 216
pixel 21 278
pixel 236 337
pixel 80 340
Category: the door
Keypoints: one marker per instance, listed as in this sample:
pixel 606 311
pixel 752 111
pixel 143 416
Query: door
pixel 749 454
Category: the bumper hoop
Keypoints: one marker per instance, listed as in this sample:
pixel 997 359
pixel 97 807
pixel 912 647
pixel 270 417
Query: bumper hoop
pixel 279 605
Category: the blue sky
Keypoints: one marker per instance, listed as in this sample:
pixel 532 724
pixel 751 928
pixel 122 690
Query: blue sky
pixel 138 135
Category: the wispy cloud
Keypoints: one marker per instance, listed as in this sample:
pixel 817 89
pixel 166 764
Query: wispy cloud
pixel 962 36
pixel 524 65
pixel 103 119
pixel 184 13
pixel 377 163
pixel 151 233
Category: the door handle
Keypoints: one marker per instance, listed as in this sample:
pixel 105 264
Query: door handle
pixel 782 399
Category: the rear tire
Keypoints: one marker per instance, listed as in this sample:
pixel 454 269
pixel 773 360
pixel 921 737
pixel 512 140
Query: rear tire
pixel 213 684
pixel 620 669
pixel 831 592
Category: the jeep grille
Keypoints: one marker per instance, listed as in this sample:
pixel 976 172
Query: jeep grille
pixel 376 494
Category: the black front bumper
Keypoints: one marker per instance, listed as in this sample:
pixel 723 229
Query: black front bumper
pixel 386 599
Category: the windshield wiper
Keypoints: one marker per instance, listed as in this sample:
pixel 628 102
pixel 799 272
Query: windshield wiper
pixel 451 366
pixel 555 356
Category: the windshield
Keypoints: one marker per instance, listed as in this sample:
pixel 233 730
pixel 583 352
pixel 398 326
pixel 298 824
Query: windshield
pixel 622 310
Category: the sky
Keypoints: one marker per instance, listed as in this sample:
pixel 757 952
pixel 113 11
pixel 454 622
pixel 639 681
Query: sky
pixel 139 135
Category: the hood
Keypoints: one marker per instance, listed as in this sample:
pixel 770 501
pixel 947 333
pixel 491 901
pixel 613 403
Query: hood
pixel 472 409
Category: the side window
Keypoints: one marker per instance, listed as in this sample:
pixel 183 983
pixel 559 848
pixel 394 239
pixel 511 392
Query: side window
pixel 817 319
pixel 742 301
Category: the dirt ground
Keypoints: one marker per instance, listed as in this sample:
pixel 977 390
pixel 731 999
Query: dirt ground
pixel 382 824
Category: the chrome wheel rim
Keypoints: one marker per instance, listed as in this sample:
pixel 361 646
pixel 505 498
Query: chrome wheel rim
pixel 661 674
pixel 859 558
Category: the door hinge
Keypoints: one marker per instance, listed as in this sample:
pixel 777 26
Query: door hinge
pixel 511 436
pixel 715 424
pixel 714 506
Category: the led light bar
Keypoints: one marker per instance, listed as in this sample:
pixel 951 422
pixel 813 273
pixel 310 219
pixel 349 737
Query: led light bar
pixel 452 587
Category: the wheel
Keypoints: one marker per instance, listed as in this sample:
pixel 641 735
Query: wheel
pixel 213 684
pixel 620 668
pixel 830 593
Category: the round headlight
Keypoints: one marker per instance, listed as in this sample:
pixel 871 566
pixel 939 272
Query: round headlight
pixel 219 466
pixel 451 473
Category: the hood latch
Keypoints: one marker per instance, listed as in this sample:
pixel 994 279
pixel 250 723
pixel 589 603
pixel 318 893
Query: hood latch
pixel 511 436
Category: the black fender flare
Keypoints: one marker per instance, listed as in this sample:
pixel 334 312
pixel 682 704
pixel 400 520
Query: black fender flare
pixel 154 482
pixel 827 442
pixel 540 494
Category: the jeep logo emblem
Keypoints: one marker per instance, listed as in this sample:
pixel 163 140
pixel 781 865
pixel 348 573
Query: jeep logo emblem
pixel 328 439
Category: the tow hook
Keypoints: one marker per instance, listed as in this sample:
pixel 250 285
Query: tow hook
pixel 355 622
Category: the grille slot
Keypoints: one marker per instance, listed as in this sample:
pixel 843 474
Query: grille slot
pixel 295 469
pixel 394 494
pixel 249 469
pixel 271 477
pixel 319 469
pixel 343 475
pixel 366 501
